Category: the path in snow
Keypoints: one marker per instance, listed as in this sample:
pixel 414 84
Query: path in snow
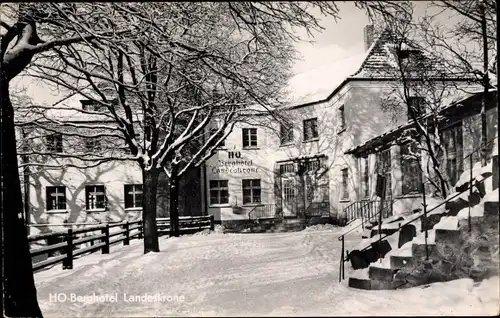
pixel 243 274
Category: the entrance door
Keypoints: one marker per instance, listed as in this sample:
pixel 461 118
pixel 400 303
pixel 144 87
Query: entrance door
pixel 288 195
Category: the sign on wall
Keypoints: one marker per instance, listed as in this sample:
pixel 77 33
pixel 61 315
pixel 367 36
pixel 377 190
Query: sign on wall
pixel 234 164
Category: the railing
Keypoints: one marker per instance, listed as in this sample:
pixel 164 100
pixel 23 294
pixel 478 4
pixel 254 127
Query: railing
pixel 371 217
pixel 71 242
pixel 263 211
pixel 367 210
pixel 423 216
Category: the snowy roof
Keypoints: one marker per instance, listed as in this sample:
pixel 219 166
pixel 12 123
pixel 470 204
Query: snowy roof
pixel 378 62
pixel 390 135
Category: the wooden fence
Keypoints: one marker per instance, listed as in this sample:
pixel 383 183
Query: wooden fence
pixel 76 242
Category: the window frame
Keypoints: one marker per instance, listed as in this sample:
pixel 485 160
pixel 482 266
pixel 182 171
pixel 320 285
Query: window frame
pixel 87 198
pixel 219 188
pixel 252 188
pixel 92 106
pixel 92 144
pixel 49 206
pixel 286 134
pixel 420 108
pixel 54 143
pixel 134 193
pixel 365 177
pixel 453 160
pixel 345 185
pixel 341 117
pixel 410 184
pixel 249 132
pixel 306 129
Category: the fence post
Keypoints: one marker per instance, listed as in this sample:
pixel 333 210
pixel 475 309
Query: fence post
pixel 68 261
pixel 341 261
pixel 212 225
pixel 425 222
pixel 126 241
pixel 105 231
pixel 362 218
pixel 141 227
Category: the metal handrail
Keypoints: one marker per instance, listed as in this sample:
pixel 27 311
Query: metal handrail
pixel 469 188
pixel 341 238
pixel 434 208
pixel 480 148
pixel 251 211
pixel 377 213
pixel 250 214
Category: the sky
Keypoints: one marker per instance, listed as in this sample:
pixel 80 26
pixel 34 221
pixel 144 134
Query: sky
pixel 339 39
pixel 336 52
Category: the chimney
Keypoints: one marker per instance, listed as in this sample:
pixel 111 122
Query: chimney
pixel 369 35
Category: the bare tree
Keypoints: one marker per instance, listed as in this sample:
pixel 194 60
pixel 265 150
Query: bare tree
pixel 426 83
pixel 470 45
pixel 66 28
pixel 19 43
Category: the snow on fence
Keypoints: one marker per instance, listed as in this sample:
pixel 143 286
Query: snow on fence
pixel 76 242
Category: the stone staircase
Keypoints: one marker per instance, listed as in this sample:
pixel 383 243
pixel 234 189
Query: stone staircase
pixel 454 250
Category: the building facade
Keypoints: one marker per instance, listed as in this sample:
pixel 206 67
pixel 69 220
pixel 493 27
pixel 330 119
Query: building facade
pixel 77 169
pixel 323 150
pixel 303 156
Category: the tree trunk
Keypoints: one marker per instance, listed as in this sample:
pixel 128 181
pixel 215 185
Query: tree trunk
pixel 19 291
pixel 150 185
pixel 174 203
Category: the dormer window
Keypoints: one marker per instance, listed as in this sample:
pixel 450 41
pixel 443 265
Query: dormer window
pixel 410 55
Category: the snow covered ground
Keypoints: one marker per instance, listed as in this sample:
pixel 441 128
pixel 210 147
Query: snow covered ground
pixel 278 274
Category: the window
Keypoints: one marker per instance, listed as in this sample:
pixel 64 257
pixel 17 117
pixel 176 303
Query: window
pixel 95 197
pixel 91 105
pixel 287 168
pixel 54 143
pixel 92 144
pixel 251 191
pixel 312 165
pixel 56 198
pixel 219 193
pixel 345 180
pixel 310 129
pixel 286 134
pixel 341 119
pixel 249 137
pixel 453 144
pixel 410 168
pixel 133 196
pixel 365 177
pixel 417 104
pixel 383 164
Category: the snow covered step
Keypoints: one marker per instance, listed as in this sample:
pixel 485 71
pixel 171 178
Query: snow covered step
pixel 359 279
pixel 380 273
pixel 476 211
pixel 447 223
